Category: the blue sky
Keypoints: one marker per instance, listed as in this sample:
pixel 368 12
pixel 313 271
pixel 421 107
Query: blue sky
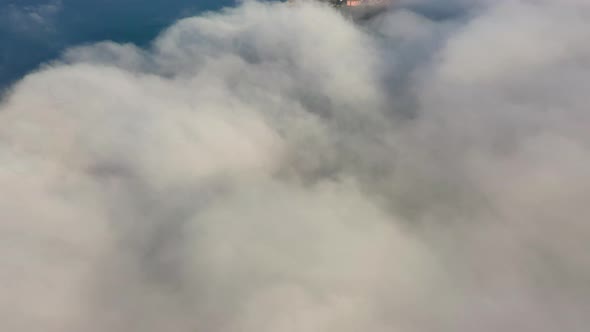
pixel 35 31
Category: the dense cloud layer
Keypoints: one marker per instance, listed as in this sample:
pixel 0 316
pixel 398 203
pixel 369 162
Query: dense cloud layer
pixel 277 168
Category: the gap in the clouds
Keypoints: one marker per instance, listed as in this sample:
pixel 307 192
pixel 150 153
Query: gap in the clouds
pixel 33 32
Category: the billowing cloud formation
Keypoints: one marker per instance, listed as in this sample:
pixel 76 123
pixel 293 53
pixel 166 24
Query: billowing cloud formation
pixel 281 168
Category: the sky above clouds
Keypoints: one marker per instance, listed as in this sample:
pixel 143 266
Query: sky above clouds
pixel 35 31
pixel 283 168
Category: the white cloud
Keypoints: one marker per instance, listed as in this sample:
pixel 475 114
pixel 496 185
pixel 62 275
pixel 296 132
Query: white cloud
pixel 281 168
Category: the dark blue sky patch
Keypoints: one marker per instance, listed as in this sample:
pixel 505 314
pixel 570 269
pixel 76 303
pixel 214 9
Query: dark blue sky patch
pixel 36 31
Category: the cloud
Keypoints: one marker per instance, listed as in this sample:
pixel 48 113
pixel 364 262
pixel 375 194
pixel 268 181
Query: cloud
pixel 281 168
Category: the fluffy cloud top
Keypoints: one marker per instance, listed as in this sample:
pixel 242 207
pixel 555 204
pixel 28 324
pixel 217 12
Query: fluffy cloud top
pixel 279 168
